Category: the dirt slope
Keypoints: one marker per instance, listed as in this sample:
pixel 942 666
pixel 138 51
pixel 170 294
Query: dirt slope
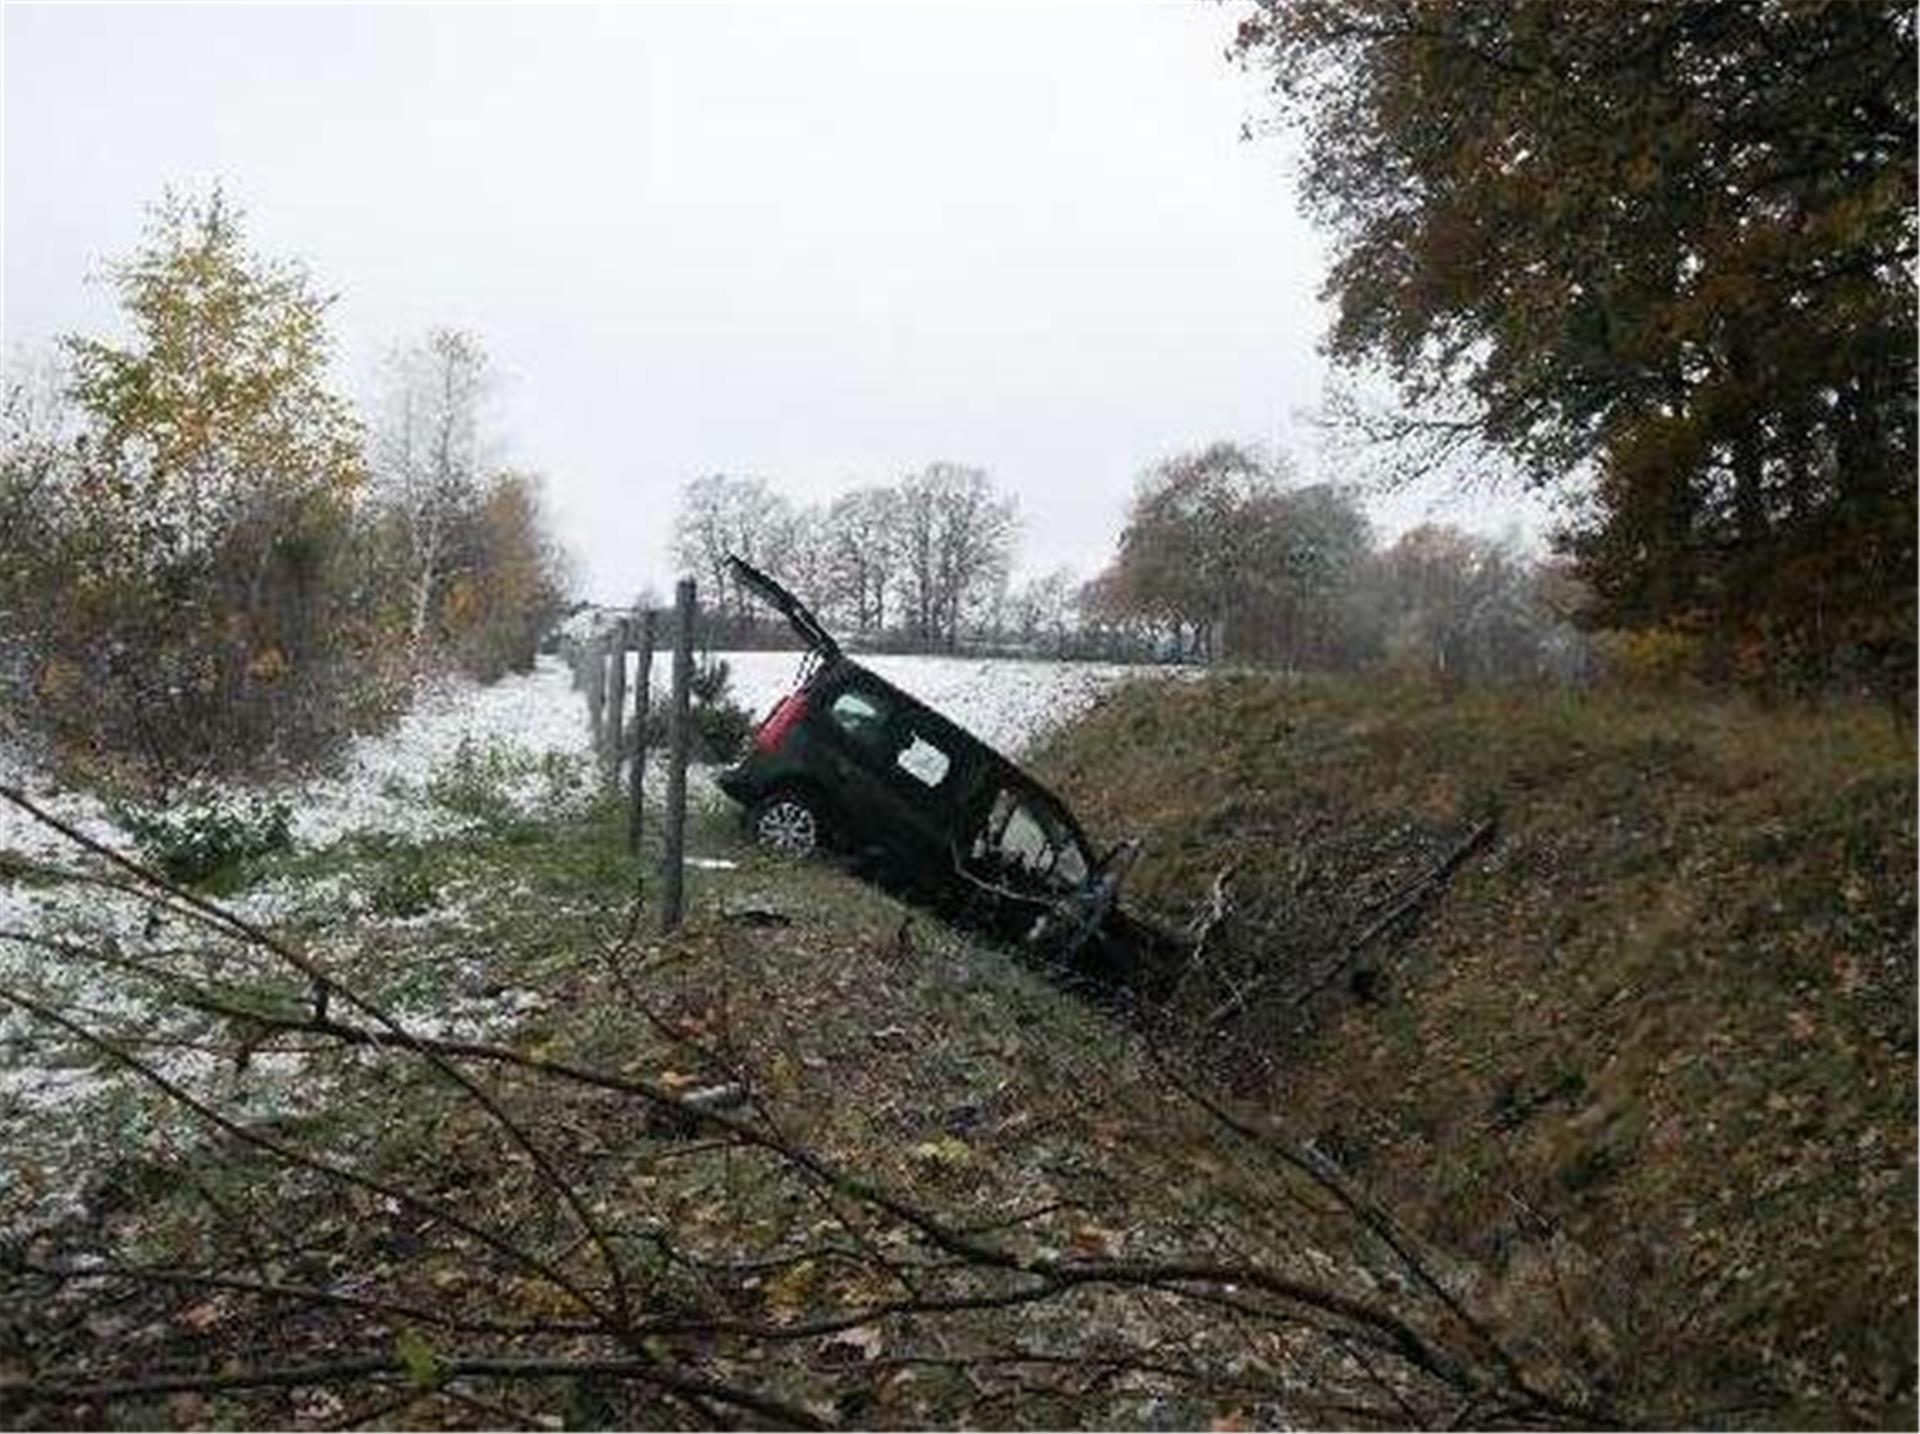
pixel 1647 1060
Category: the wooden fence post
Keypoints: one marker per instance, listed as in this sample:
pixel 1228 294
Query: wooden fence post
pixel 617 702
pixel 597 692
pixel 673 850
pixel 642 705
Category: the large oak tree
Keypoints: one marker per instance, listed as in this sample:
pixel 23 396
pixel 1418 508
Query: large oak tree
pixel 1667 248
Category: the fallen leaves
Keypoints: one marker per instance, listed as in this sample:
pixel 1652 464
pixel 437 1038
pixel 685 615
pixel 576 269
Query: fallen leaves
pixel 201 1317
pixel 1094 1242
pixel 789 1294
pixel 948 1152
pixel 319 1407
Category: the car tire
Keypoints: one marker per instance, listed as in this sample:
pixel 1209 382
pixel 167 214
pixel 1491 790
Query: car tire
pixel 788 824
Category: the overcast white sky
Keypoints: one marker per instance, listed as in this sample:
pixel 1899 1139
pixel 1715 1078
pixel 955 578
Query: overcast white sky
pixel 823 244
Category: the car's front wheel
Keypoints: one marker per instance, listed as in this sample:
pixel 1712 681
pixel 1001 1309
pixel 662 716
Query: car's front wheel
pixel 789 825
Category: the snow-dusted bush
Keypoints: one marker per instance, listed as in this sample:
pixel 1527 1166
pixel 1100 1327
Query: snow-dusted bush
pixel 207 832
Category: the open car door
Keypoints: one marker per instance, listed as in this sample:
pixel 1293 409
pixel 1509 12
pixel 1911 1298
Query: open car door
pixel 780 600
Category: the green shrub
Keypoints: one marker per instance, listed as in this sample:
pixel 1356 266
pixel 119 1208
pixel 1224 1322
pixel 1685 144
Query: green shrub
pixel 712 681
pixel 719 725
pixel 478 781
pixel 1658 658
pixel 568 777
pixel 720 732
pixel 207 835
pixel 407 886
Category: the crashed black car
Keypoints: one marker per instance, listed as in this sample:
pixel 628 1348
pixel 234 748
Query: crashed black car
pixel 847 761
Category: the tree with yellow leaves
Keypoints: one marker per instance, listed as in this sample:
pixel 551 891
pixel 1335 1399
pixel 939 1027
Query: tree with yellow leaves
pixel 201 585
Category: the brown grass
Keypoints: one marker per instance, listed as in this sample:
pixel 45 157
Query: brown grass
pixel 1648 1062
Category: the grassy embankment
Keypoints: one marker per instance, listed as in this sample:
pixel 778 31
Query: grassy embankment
pixel 1647 1062
pixel 1641 1077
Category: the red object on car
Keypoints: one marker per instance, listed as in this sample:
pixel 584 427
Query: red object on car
pixel 773 731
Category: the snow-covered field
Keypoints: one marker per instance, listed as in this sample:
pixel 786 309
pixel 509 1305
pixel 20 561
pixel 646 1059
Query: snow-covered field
pixel 1005 702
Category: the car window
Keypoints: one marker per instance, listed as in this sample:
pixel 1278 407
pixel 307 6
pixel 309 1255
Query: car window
pixel 860 715
pixel 1070 863
pixel 921 759
pixel 1024 840
pixel 1025 836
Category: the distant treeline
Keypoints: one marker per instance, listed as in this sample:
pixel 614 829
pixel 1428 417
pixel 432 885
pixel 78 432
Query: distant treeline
pixel 214 563
pixel 1223 557
pixel 921 563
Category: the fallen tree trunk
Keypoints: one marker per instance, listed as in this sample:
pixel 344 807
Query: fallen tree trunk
pixel 1402 905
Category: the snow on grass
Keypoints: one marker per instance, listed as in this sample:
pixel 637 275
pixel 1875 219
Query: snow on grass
pixel 25 904
pixel 528 734
pixel 464 756
pixel 386 781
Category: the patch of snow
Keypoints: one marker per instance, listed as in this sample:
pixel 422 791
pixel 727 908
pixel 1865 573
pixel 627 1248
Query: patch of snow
pixel 384 785
pixel 1006 702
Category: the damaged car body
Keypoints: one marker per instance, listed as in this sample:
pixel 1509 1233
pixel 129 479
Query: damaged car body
pixel 849 762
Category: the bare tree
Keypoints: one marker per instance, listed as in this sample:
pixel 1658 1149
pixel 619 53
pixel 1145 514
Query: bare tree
pixel 426 456
pixel 863 550
pixel 935 549
pixel 800 556
pixel 1043 612
pixel 957 545
pixel 720 514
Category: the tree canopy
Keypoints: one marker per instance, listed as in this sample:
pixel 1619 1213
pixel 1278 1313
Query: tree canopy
pixel 1668 248
pixel 1220 550
pixel 221 402
pixel 200 576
